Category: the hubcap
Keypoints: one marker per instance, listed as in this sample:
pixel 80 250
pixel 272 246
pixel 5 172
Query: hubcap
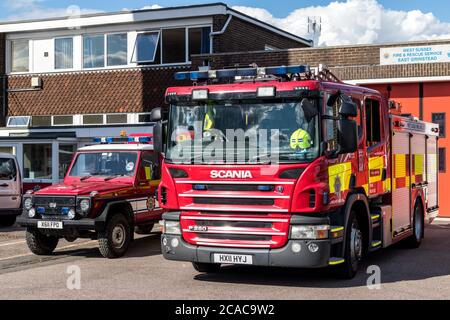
pixel 418 224
pixel 356 245
pixel 118 236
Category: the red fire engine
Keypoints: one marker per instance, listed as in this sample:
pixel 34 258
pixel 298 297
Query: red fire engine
pixel 344 172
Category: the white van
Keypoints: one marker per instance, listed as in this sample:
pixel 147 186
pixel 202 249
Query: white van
pixel 10 190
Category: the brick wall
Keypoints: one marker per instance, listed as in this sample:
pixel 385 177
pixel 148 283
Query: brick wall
pixel 243 36
pixel 348 62
pixel 118 91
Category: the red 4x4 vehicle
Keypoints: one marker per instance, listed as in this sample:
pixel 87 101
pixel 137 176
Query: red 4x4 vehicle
pixel 107 194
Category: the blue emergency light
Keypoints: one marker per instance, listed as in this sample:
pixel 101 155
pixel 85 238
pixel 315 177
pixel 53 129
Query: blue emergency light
pixel 109 140
pixel 140 139
pixel 243 72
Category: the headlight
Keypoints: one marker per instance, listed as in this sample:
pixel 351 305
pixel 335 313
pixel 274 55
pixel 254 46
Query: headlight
pixel 309 232
pixel 172 227
pixel 28 203
pixel 31 213
pixel 85 205
pixel 71 214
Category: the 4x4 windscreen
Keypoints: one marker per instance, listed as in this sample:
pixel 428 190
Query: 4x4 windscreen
pixel 8 170
pixel 104 164
pixel 244 132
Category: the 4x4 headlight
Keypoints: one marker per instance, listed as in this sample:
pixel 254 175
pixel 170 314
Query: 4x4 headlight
pixel 172 227
pixel 28 203
pixel 310 232
pixel 85 205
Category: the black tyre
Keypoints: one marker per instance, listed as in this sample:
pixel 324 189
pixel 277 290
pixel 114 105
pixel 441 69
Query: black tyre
pixel 354 243
pixel 115 238
pixel 206 267
pixel 418 228
pixel 7 221
pixel 41 244
pixel 144 229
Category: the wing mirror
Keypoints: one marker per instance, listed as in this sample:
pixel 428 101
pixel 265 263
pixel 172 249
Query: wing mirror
pixel 348 108
pixel 156 115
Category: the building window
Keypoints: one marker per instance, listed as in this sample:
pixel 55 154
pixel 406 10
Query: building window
pixel 373 122
pixel 94 51
pixel 93 119
pixel 64 53
pixel 144 118
pixel 37 161
pixel 18 121
pixel 41 121
pixel 174 45
pixel 116 118
pixel 439 118
pixel 66 152
pixel 199 41
pixel 117 49
pixel 62 120
pixel 20 56
pixel 146 47
pixel 442 160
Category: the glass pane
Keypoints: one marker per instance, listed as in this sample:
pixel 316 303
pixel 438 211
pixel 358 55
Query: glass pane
pixel 93 119
pixel 10 150
pixel 62 120
pixel 146 46
pixel 41 121
pixel 64 53
pixel 20 56
pixel 144 118
pixel 106 164
pixel 174 46
pixel 66 152
pixel 199 40
pixel 18 121
pixel 117 49
pixel 439 118
pixel 442 160
pixel 94 51
pixel 8 170
pixel 116 118
pixel 37 161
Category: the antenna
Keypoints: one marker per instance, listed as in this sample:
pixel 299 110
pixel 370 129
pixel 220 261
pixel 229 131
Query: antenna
pixel 315 29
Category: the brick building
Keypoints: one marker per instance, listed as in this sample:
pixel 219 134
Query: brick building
pixel 67 80
pixel 416 74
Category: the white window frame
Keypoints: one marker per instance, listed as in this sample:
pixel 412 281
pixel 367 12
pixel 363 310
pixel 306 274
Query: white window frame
pixel 134 59
pixel 82 50
pixel 8 125
pixel 54 160
pixel 62 125
pixel 73 54
pixel 105 118
pixel 9 56
pixel 106 49
pixel 187 39
pixel 93 114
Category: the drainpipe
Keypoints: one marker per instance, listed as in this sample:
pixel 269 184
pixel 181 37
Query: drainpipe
pixel 4 93
pixel 224 28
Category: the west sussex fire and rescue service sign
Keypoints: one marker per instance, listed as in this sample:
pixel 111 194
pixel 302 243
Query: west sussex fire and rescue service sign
pixel 409 55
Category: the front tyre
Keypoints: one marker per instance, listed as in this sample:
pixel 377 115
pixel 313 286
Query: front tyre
pixel 353 249
pixel 206 267
pixel 40 244
pixel 115 238
pixel 418 227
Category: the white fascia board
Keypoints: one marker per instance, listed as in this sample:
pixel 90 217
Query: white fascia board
pixel 112 19
pixel 398 80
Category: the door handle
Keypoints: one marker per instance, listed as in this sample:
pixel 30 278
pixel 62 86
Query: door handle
pixel 4 185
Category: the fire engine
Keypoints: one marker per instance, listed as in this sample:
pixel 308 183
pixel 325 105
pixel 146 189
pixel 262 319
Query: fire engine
pixel 337 170
pixel 108 194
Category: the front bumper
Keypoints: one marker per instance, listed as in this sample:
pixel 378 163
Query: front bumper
pixel 79 225
pixel 281 257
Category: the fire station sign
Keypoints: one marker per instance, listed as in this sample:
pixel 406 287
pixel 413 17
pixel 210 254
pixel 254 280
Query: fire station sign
pixel 409 55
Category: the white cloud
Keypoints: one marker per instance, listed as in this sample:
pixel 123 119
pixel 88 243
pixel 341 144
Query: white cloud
pixel 153 6
pixel 358 22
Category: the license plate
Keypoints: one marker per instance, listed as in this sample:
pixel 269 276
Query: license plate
pixel 50 225
pixel 232 258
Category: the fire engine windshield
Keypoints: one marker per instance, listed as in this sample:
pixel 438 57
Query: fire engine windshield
pixel 244 133
pixel 107 164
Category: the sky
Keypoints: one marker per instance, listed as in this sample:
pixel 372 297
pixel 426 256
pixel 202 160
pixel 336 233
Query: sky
pixel 343 21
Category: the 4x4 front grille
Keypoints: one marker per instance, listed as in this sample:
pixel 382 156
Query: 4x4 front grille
pixel 53 205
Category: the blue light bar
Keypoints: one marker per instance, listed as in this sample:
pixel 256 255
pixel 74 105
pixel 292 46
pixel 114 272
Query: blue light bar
pixel 140 139
pixel 244 72
pixel 65 211
pixel 40 210
pixel 109 140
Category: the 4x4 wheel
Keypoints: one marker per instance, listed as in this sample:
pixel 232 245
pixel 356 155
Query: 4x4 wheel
pixel 206 267
pixel 144 229
pixel 115 238
pixel 7 221
pixel 40 244
pixel 354 243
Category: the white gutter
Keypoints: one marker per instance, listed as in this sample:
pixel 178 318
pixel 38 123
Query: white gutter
pixel 398 80
pixel 225 27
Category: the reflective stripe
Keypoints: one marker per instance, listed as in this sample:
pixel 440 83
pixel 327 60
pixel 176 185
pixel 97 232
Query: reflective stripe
pixel 332 263
pixel 376 166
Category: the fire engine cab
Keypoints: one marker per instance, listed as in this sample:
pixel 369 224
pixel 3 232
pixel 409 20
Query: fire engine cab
pixel 108 194
pixel 335 172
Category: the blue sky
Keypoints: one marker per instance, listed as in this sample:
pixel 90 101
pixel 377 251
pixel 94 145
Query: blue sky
pixel 440 8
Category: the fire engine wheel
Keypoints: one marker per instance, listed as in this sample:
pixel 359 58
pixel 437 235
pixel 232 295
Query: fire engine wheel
pixel 40 244
pixel 115 238
pixel 7 221
pixel 416 239
pixel 354 243
pixel 206 267
pixel 145 229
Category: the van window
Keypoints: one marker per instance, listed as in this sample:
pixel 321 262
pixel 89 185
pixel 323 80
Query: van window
pixel 373 122
pixel 8 170
pixel 149 167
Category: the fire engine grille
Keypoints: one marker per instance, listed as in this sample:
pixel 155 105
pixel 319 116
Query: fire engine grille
pixel 53 205
pixel 235 201
pixel 237 187
pixel 234 224
pixel 243 237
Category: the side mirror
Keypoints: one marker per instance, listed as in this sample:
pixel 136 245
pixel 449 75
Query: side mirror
pixel 156 115
pixel 348 109
pixel 158 137
pixel 347 136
